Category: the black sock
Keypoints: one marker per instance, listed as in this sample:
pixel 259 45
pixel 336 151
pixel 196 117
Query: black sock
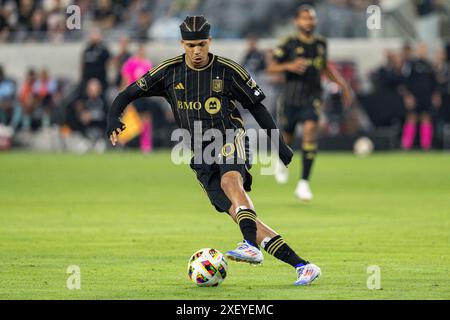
pixel 280 250
pixel 309 152
pixel 246 219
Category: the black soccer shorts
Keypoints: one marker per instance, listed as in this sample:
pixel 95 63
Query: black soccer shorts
pixel 234 156
pixel 289 115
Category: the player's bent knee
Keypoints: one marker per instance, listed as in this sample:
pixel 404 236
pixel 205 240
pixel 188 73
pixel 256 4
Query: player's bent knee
pixel 231 181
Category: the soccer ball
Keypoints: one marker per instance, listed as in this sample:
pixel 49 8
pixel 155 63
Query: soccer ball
pixel 207 267
pixel 363 147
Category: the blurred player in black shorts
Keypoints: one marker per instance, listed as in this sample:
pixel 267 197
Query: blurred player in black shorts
pixel 201 89
pixel 420 89
pixel 303 60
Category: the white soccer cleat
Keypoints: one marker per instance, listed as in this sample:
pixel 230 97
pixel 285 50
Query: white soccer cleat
pixel 303 192
pixel 307 274
pixel 281 173
pixel 245 252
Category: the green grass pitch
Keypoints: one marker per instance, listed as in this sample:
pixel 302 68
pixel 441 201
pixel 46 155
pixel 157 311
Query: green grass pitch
pixel 130 222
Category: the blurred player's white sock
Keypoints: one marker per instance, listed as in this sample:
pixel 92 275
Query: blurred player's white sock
pixel 281 173
pixel 303 191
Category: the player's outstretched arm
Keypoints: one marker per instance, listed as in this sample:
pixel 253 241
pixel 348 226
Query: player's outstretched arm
pixel 148 85
pixel 114 125
pixel 298 66
pixel 335 77
pixel 266 122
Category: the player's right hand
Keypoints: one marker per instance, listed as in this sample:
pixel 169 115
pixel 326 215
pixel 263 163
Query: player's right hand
pixel 114 128
pixel 298 66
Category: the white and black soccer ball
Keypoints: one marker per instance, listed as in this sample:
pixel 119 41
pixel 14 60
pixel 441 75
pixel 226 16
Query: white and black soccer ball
pixel 207 267
pixel 363 147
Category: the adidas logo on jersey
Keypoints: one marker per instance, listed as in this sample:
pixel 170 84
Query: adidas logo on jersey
pixel 179 86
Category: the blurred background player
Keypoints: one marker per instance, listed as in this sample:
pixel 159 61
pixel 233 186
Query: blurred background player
pixel 303 59
pixel 95 60
pixel 421 89
pixel 134 68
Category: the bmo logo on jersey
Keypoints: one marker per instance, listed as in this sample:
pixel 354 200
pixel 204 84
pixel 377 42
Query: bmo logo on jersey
pixel 212 105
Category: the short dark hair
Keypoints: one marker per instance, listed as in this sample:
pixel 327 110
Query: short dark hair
pixel 305 7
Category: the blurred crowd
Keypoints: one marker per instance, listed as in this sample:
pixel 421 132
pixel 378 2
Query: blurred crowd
pixel 77 111
pixel 410 90
pixel 45 20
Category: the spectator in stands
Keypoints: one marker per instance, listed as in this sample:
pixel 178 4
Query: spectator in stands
pixel 359 18
pixel 133 69
pixel 442 103
pixel 44 90
pixel 420 87
pixel 37 31
pixel 119 59
pixel 335 19
pixel 56 21
pixel 90 111
pixel 254 60
pixel 389 75
pixel 27 100
pixel 143 24
pixel 25 13
pixel 384 104
pixel 5 28
pixel 104 15
pixel 427 21
pixel 94 61
pixel 7 98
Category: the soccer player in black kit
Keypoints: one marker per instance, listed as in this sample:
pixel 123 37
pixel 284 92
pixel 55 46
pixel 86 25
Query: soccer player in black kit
pixel 419 90
pixel 202 89
pixel 303 60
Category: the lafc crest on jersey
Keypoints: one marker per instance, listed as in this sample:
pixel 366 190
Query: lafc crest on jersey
pixel 217 85
pixel 142 84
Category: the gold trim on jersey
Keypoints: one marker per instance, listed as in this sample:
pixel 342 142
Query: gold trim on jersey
pixel 166 63
pixel 203 68
pixel 238 119
pixel 236 67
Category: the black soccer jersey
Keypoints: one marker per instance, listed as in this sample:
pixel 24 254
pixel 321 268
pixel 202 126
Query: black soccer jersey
pixel 301 88
pixel 207 94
